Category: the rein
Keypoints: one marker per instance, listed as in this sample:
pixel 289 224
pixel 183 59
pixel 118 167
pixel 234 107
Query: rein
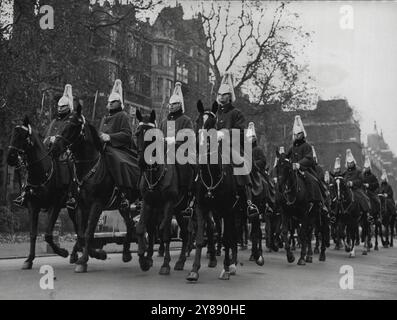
pixel 154 185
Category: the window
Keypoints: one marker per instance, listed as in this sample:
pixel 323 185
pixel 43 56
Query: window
pixel 195 70
pixel 339 134
pixel 145 85
pixel 112 72
pixel 169 88
pixel 160 52
pixel 191 52
pixel 113 37
pixel 182 73
pixel 132 82
pixel 159 87
pixel 169 57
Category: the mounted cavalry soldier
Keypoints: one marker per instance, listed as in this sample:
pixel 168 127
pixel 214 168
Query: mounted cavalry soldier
pixel 371 185
pixel 354 180
pixel 63 164
pixel 176 115
pixel 259 167
pixel 387 191
pixel 229 117
pixel 116 134
pixel 301 155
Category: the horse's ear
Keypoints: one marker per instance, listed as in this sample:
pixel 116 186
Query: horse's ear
pixel 200 107
pixel 78 109
pixel 139 115
pixel 26 121
pixel 214 107
pixel 152 116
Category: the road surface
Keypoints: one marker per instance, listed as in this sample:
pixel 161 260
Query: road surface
pixel 375 277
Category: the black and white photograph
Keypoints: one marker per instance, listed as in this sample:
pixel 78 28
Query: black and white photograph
pixel 196 155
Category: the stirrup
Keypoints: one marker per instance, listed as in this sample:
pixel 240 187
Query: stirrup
pixel 124 204
pixel 20 201
pixel 252 210
pixel 71 204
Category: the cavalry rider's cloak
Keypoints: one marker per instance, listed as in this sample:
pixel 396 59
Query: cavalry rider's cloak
pixel 369 177
pixel 182 121
pixel 64 166
pixel 120 159
pixel 301 152
pixel 355 176
pixel 229 118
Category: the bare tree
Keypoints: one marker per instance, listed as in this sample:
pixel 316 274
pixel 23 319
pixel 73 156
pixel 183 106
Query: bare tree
pixel 257 42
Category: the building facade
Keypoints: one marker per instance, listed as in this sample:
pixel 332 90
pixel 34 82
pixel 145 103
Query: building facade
pixel 331 129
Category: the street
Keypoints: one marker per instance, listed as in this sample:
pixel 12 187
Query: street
pixel 375 277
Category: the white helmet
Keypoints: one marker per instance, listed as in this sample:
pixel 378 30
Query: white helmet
pixel 177 96
pixel 66 101
pixel 298 126
pixel 227 86
pixel 117 93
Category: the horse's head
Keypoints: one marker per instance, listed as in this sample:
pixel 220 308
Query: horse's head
pixel 73 133
pixel 206 120
pixel 341 189
pixel 283 168
pixel 146 122
pixel 21 142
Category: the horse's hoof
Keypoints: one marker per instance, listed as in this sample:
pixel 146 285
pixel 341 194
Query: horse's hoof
pixel 352 254
pixel 347 248
pixel 63 253
pixel 144 264
pixel 290 258
pixel 192 276
pixel 73 258
pixel 127 257
pixel 309 259
pixel 150 262
pixel 27 265
pixel 80 268
pixel 260 261
pixel 179 265
pixel 218 252
pixel 233 269
pixel 376 247
pixel 365 252
pixel 225 275
pixel 212 263
pixel 251 258
pixel 386 246
pixel 165 270
pixel 337 247
pixel 322 256
pixel 301 262
pixel 316 250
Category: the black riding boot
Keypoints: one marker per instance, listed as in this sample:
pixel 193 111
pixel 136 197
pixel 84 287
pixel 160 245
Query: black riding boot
pixel 252 209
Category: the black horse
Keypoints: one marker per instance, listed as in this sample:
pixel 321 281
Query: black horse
pixel 42 189
pixel 215 193
pixel 339 216
pixel 161 200
pixel 295 206
pixel 387 216
pixel 97 189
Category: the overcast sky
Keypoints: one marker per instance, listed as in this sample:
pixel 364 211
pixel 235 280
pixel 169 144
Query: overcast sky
pixel 359 64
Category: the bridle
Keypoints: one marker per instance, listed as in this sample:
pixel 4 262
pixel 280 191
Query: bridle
pixel 22 157
pixel 287 190
pixel 81 134
pixel 150 168
pixel 213 185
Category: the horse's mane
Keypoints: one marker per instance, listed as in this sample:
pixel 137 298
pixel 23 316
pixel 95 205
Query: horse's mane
pixel 94 135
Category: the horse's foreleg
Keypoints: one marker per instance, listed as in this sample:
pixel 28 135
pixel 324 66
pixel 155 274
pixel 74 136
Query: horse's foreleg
pixel 194 273
pixel 179 265
pixel 141 228
pixel 77 246
pixel 165 230
pixel 53 214
pixel 127 257
pixel 94 214
pixel 34 218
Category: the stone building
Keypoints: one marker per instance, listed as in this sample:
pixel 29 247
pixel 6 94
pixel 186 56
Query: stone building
pixel 331 129
pixel 381 157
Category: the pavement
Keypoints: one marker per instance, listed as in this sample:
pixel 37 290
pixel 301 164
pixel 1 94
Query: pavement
pixel 374 277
